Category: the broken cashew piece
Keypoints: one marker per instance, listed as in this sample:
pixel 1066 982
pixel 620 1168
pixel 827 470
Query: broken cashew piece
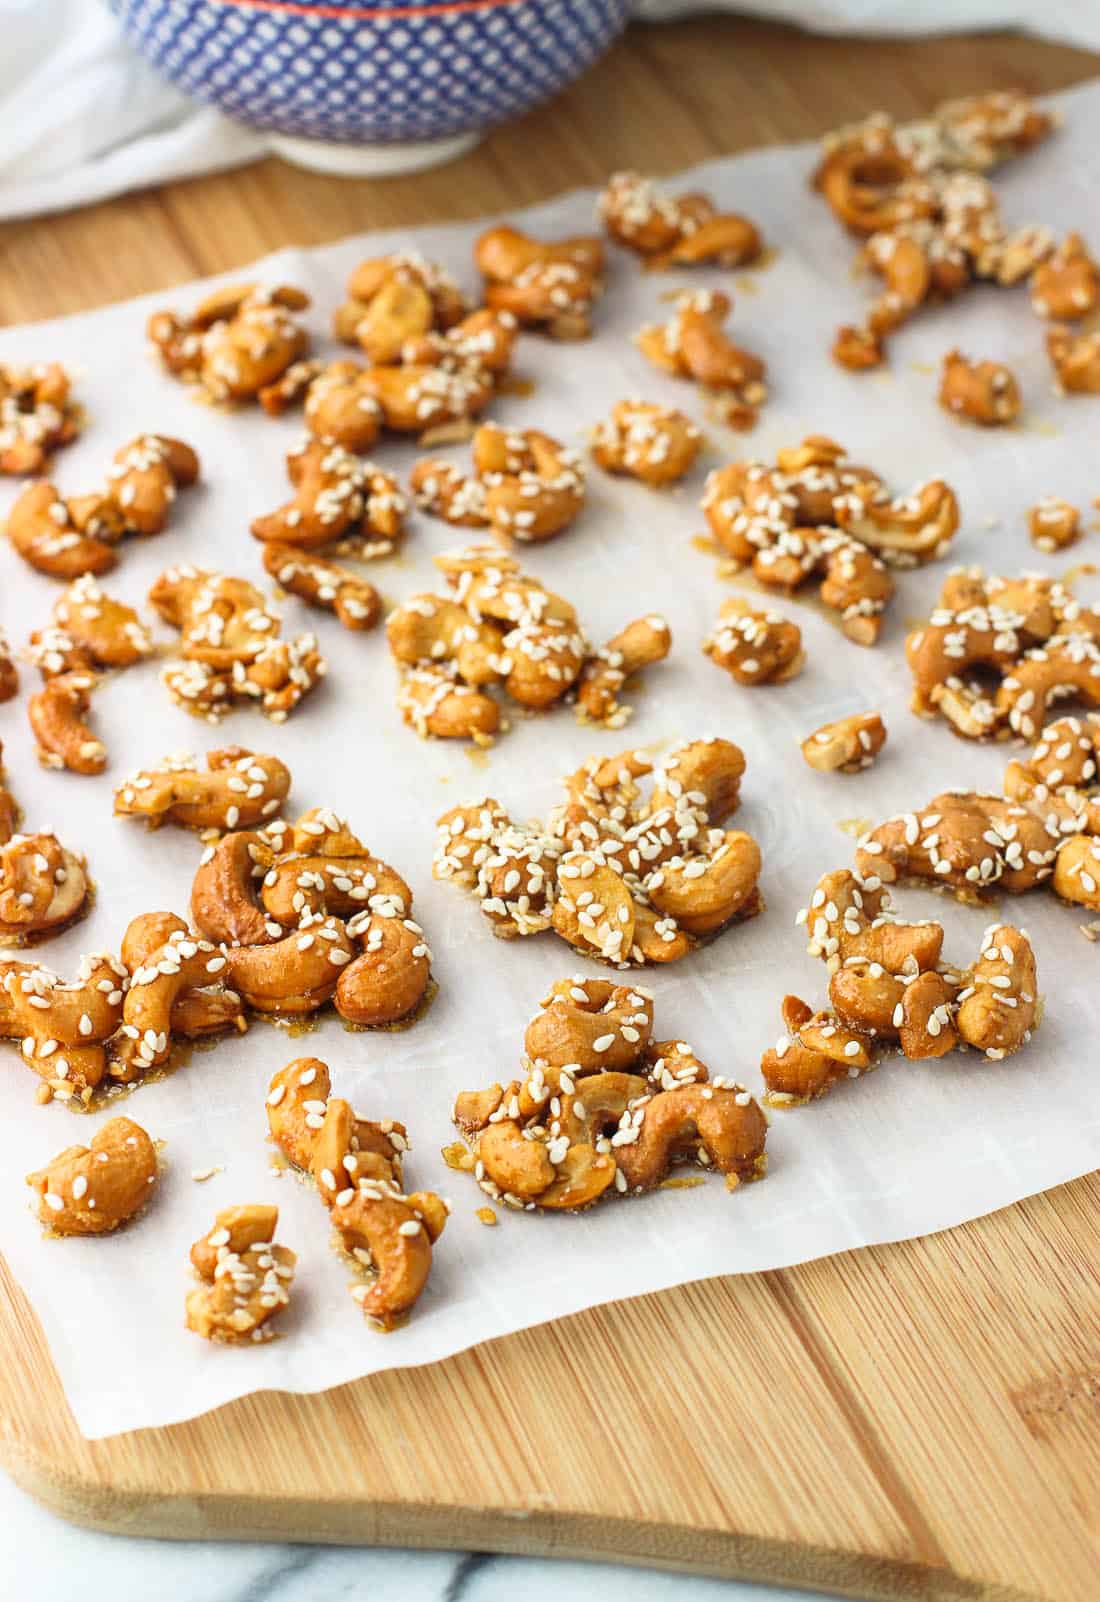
pixel 1053 524
pixel 90 631
pixel 985 392
pixel 753 646
pixel 656 444
pixel 846 746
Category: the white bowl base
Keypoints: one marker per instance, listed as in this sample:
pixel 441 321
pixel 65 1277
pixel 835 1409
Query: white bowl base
pixel 371 161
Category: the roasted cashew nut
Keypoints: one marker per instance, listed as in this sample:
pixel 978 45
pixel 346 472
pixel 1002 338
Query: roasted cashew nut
pixel 90 630
pixel 91 1190
pixel 985 392
pixel 37 415
pixel 182 964
pixel 679 230
pixel 43 886
pixel 551 286
pixel 56 713
pixel 525 486
pixel 240 789
pixel 694 345
pixel 847 745
pixel 656 444
pixel 1075 359
pixel 755 647
pixel 354 602
pixel 245 1277
pixel 337 499
pixel 196 1014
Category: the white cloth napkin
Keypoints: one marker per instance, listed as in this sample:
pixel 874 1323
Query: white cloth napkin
pixel 84 117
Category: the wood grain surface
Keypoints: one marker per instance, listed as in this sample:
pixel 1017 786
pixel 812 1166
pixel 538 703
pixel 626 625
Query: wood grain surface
pixel 910 1421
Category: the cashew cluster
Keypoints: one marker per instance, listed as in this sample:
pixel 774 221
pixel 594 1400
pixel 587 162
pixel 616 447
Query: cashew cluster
pixel 524 486
pixel 675 230
pixel 244 1277
pixel 623 878
pixel 890 990
pixel 356 1165
pixel 307 915
pixel 693 344
pixel 1053 524
pixel 239 790
pixel 339 502
pixel 236 342
pixel 91 1190
pixel 1075 359
pixel 656 444
pixel 67 538
pixel 984 392
pixel 604 1109
pixel 90 631
pixel 814 515
pixel 1066 286
pixel 846 746
pixel 501 629
pixel 755 647
pixel 548 285
pixel 230 649
pixel 997 653
pixel 917 195
pixel 37 415
pixel 392 299
pixel 116 1020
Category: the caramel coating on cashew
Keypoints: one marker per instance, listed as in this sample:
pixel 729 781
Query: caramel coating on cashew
pixel 198 1011
pixel 236 342
pixel 37 415
pixel 525 486
pixel 91 1190
pixel 230 650
pixel 395 298
pixel 890 990
pixel 244 1277
pixel 500 629
pixel 656 444
pixel 753 646
pixel 339 502
pixel 694 345
pixel 547 285
pixel 964 841
pixel 90 631
pixel 357 1167
pixel 1066 286
pixel 675 230
pixel 847 745
pixel 57 715
pixel 307 915
pixel 985 392
pixel 625 879
pixel 603 1109
pixel 1053 524
pixel 814 514
pixel 64 1028
pixel 352 600
pixel 43 885
pixel 182 964
pixel 1075 360
pixel 930 221
pixel 1028 631
pixel 66 539
pixel 9 673
pixel 241 788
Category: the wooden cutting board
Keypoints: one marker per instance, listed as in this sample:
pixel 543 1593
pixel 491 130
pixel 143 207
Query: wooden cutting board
pixel 908 1421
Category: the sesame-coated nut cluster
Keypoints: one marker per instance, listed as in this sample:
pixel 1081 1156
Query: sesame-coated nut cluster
pixel 693 344
pixel 997 653
pixel 603 1109
pixel 356 1166
pixel 525 486
pixel 676 230
pixel 623 878
pixel 551 286
pixel 816 515
pixel 889 990
pixel 499 628
pixel 37 415
pixel 244 1277
pixel 236 342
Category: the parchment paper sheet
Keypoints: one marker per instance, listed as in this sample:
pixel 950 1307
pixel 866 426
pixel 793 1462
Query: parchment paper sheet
pixel 908 1150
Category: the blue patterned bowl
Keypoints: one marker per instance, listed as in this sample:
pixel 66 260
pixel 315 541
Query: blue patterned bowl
pixel 386 87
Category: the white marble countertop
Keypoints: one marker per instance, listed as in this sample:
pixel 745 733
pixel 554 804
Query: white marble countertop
pixel 43 1559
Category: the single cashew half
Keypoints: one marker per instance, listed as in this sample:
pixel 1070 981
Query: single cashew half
pixel 241 789
pixel 56 713
pixel 91 1190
